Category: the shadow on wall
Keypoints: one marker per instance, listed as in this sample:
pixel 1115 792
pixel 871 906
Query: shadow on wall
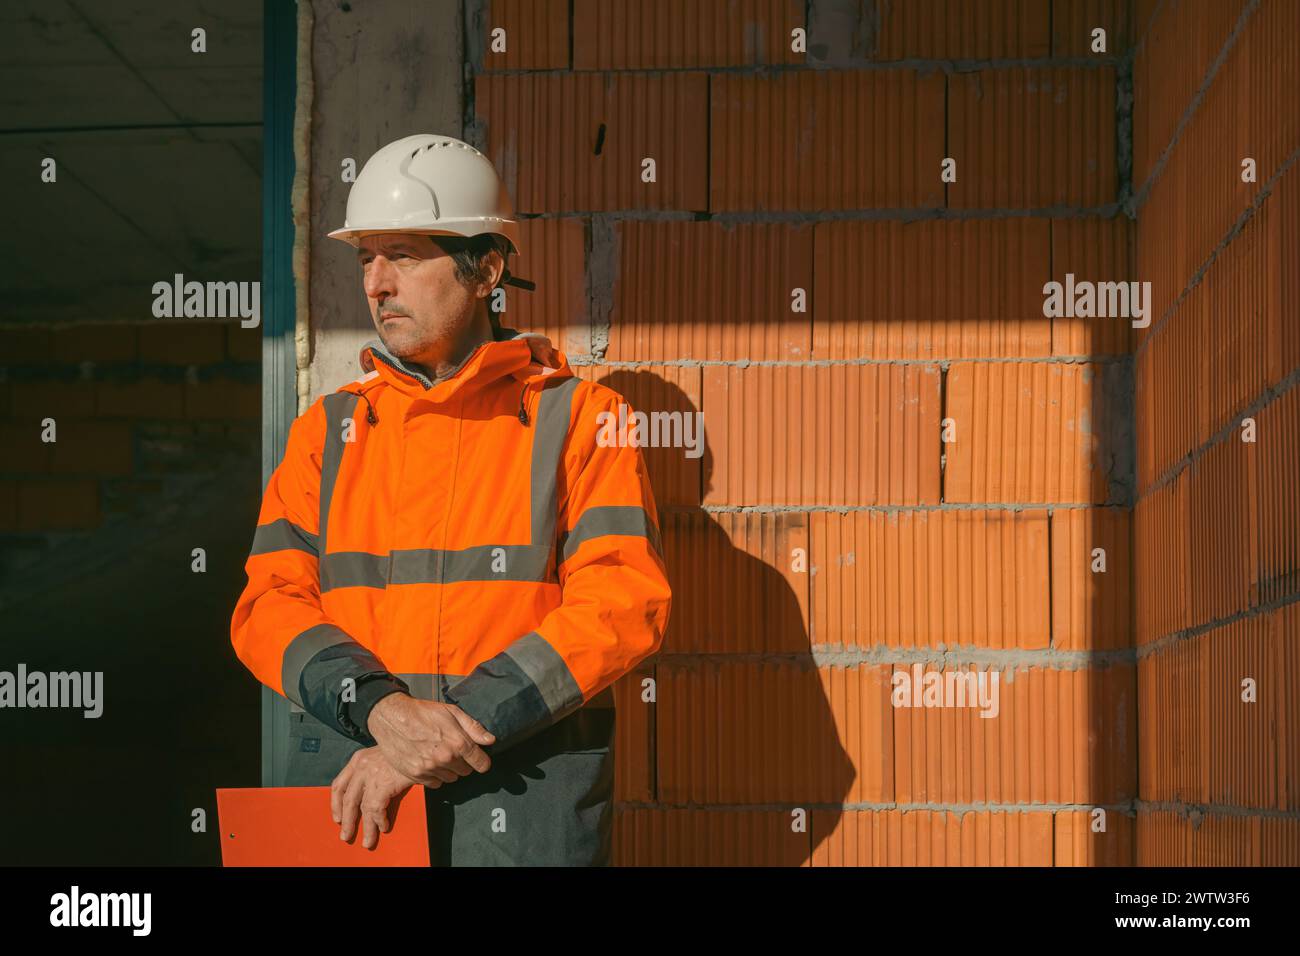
pixel 742 717
pixel 999 570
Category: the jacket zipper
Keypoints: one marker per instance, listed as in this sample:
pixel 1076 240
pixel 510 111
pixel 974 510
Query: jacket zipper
pixel 373 419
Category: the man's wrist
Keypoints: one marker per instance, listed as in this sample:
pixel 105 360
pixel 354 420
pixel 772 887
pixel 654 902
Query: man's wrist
pixel 385 705
pixel 369 692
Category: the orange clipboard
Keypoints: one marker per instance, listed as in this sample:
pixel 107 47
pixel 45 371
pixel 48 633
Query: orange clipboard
pixel 292 826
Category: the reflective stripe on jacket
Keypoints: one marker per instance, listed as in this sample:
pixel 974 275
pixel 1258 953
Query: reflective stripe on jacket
pixel 468 540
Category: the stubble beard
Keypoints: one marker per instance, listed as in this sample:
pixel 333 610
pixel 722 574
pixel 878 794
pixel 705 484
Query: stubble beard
pixel 410 339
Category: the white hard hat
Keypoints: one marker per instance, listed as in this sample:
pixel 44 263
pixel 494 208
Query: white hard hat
pixel 430 185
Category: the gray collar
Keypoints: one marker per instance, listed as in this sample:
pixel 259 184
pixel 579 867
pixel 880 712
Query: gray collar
pixel 383 355
pixel 500 334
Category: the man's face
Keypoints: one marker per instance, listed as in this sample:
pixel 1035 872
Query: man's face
pixel 416 302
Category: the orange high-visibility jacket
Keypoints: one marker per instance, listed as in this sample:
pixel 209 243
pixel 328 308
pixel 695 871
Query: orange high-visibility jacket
pixel 468 541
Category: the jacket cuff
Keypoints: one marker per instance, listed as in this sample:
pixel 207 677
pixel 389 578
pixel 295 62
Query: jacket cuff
pixel 316 665
pixel 524 689
pixel 371 689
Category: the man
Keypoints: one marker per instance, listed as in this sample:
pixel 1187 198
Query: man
pixel 449 569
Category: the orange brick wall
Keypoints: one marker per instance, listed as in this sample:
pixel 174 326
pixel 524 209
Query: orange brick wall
pixel 772 738
pixel 133 403
pixel 1217 522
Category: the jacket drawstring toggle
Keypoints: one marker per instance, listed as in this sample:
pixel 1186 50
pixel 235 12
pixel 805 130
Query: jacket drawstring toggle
pixel 371 417
pixel 523 412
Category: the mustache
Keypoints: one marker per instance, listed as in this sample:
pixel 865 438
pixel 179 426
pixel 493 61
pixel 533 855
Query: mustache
pixel 389 309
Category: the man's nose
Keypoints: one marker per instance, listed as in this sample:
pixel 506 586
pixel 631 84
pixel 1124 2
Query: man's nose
pixel 380 278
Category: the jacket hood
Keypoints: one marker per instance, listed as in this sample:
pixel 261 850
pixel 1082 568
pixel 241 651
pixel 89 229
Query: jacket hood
pixel 525 356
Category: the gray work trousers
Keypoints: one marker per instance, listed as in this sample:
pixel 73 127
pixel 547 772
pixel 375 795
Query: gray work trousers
pixel 547 801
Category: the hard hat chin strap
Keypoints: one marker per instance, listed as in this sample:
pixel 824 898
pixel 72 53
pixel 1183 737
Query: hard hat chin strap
pixel 508 279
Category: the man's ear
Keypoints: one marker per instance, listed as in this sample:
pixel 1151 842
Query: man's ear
pixel 497 267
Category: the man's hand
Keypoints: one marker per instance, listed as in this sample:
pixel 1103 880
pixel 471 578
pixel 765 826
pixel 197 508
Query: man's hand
pixel 368 785
pixel 428 742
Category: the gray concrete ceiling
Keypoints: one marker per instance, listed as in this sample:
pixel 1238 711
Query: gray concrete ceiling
pixel 158 151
